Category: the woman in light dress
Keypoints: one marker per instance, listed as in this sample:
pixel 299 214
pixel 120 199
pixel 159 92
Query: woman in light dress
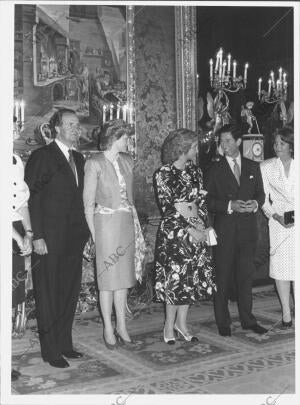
pixel 114 226
pixel 279 183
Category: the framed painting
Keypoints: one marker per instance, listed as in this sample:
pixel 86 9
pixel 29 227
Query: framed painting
pixel 77 57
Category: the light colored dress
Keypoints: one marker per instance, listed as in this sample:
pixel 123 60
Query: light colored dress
pixel 118 237
pixel 279 190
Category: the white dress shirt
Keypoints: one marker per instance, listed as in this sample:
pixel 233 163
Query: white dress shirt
pixel 231 162
pixel 20 189
pixel 65 150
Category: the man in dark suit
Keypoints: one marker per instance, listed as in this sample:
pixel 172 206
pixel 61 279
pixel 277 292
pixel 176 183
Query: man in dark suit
pixel 54 174
pixel 235 192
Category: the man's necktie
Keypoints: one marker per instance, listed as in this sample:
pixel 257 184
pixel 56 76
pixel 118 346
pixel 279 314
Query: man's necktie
pixel 72 163
pixel 236 171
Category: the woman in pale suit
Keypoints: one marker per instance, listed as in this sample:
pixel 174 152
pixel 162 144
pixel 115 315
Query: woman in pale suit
pixel 114 226
pixel 279 183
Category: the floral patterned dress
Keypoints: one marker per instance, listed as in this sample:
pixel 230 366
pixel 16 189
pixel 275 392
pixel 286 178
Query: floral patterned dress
pixel 183 269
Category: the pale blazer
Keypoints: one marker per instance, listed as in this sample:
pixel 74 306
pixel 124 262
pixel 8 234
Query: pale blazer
pixel 101 185
pixel 278 188
pixel 279 191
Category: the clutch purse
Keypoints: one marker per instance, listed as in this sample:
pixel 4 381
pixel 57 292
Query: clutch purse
pixel 289 217
pixel 89 251
pixel 211 237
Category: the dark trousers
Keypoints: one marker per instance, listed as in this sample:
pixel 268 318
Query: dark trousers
pixel 18 270
pixel 56 283
pixel 230 257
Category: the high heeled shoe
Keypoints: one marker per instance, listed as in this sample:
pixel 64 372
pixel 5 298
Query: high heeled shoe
pixel 122 341
pixel 187 338
pixel 287 324
pixel 110 346
pixel 170 341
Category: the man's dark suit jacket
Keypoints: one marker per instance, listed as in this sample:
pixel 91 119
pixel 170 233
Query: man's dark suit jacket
pixel 56 203
pixel 223 187
pixel 57 216
pixel 236 236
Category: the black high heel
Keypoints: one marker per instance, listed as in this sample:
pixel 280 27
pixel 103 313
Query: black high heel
pixel 123 342
pixel 110 346
pixel 287 324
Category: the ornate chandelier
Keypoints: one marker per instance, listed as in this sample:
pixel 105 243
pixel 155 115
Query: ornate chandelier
pixel 277 91
pixel 222 77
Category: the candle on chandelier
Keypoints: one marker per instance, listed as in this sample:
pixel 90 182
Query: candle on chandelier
pixel 278 85
pixel 22 111
pixel 104 114
pixel 284 77
pixel 221 56
pixel 217 62
pixel 16 110
pixel 228 66
pixel 259 86
pixel 221 62
pixel 269 88
pixel 234 69
pixel 224 70
pixel 245 71
pixel 118 110
pixel 111 111
pixel 285 87
pixel 280 73
pixel 272 78
pixel 211 69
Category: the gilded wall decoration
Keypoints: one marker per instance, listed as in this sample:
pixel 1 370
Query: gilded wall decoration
pixel 186 66
pixel 155 96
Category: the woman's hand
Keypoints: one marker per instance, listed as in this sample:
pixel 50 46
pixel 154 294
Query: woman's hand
pixel 27 246
pixel 199 225
pixel 197 235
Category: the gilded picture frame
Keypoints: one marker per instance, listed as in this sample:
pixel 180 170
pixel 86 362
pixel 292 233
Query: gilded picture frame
pixel 186 66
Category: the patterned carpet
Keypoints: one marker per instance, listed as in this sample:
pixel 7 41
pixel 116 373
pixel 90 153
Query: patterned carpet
pixel 245 363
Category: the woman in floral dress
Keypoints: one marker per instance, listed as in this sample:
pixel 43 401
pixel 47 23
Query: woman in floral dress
pixel 183 267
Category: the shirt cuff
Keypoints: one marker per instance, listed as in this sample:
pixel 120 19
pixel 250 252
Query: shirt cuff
pixel 229 210
pixel 256 206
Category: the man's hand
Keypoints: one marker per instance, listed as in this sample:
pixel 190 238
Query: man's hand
pixel 251 205
pixel 238 206
pixel 40 247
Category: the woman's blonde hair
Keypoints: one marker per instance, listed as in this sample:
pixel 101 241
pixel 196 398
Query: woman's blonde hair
pixel 178 142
